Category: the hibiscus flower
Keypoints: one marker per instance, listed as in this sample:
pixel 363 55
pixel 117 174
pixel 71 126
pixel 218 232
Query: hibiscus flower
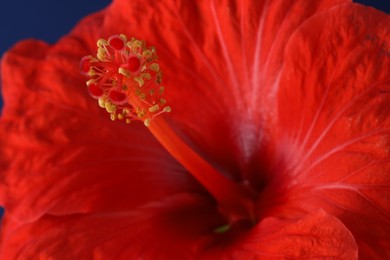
pixel 276 144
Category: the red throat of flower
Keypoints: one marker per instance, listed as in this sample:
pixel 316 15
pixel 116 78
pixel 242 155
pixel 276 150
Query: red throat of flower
pixel 125 78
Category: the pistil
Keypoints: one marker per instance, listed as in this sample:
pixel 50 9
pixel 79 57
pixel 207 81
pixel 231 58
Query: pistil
pixel 235 201
pixel 125 78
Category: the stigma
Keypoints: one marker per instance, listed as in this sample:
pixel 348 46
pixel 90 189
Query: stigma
pixel 125 79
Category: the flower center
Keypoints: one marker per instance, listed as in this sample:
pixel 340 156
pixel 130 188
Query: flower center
pixel 125 78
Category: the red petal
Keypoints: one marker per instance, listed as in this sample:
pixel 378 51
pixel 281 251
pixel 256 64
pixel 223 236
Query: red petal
pixel 317 235
pixel 60 153
pixel 184 222
pixel 168 229
pixel 334 123
pixel 215 69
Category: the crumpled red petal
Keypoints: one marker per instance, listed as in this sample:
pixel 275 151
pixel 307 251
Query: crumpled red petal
pixel 317 235
pixel 334 122
pixel 60 153
pixel 177 227
pixel 159 230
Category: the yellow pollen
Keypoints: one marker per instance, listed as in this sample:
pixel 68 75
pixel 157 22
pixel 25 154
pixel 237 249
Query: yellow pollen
pixel 101 43
pixel 124 72
pixel 125 78
pixel 110 107
pixel 154 67
pixel 139 81
pixel 161 90
pixel 101 54
pixel 102 102
pixel 147 122
pixel 147 54
pixel 154 108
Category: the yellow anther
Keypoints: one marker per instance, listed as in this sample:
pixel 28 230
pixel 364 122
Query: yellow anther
pixel 101 42
pixel 154 67
pixel 167 109
pixel 146 76
pixel 147 54
pixel 120 116
pixel 147 122
pixel 113 117
pixel 161 90
pixel 141 113
pixel 140 81
pixel 91 73
pixel 102 102
pixel 134 44
pixel 91 81
pixel 128 121
pixel 137 43
pixel 154 108
pixel 129 44
pixel 110 107
pixel 124 72
pixel 123 37
pixel 162 101
pixel 101 54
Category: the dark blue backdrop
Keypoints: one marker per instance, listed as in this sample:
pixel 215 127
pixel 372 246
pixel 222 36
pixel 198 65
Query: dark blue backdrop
pixel 48 20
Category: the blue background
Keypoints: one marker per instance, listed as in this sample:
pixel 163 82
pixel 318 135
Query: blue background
pixel 48 20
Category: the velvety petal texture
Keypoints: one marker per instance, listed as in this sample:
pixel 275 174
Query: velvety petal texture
pixel 128 235
pixel 337 147
pixel 289 97
pixel 223 68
